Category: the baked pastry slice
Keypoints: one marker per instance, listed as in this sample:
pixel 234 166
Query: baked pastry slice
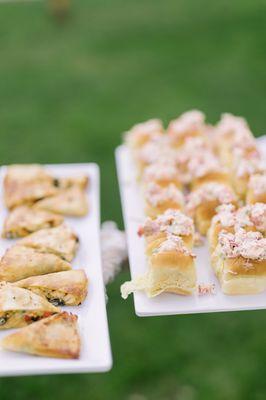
pixel 80 181
pixel 20 262
pixel 239 262
pixel 56 336
pixel 17 193
pixel 256 189
pixel 20 307
pixel 171 222
pixel 60 288
pixel 60 240
pixel 171 269
pixel 25 184
pixel 27 173
pixel 159 199
pixel 23 220
pixel 71 202
pixel 203 202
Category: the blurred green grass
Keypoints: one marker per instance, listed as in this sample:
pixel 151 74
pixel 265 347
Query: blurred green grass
pixel 67 91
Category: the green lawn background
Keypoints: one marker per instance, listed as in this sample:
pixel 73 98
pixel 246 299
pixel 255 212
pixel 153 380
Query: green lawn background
pixel 67 91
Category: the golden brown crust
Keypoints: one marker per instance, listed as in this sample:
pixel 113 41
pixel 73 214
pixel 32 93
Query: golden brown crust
pixel 204 214
pixel 242 266
pixel 27 173
pixel 71 202
pixel 25 184
pixel 154 211
pixel 171 259
pixel 80 181
pixel 61 241
pixel 24 220
pixel 20 262
pixel 63 288
pixel 252 198
pixel 154 241
pixel 56 336
pixel 220 177
pixel 240 276
pixel 20 307
pixel 213 233
pixel 17 193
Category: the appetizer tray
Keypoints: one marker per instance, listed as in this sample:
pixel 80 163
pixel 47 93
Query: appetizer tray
pixel 171 304
pixel 92 319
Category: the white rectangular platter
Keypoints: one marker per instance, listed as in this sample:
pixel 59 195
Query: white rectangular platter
pixel 95 349
pixel 170 304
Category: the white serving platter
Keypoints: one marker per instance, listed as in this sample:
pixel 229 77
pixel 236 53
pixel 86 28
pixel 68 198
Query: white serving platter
pixel 92 319
pixel 170 304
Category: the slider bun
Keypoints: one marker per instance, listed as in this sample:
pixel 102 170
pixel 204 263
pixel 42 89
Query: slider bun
pixel 171 272
pixel 253 198
pixel 219 177
pixel 213 233
pixel 238 277
pixel 154 241
pixel 154 211
pixel 204 214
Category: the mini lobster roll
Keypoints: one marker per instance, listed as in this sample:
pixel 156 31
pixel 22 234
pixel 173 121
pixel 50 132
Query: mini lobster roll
pixel 230 132
pixel 171 269
pixel 239 262
pixel 243 169
pixel 142 133
pixel 205 167
pixel 158 199
pixel 157 150
pixel 238 150
pixel 224 220
pixel 229 219
pixel 203 202
pixel 198 163
pixel 172 222
pixel 256 189
pixel 163 174
pixel 192 147
pixel 189 125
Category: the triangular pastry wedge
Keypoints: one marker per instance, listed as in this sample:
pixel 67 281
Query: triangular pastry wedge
pixel 56 336
pixel 24 220
pixel 27 173
pixel 25 184
pixel 20 262
pixel 60 240
pixel 60 288
pixel 20 307
pixel 80 181
pixel 71 202
pixel 17 193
